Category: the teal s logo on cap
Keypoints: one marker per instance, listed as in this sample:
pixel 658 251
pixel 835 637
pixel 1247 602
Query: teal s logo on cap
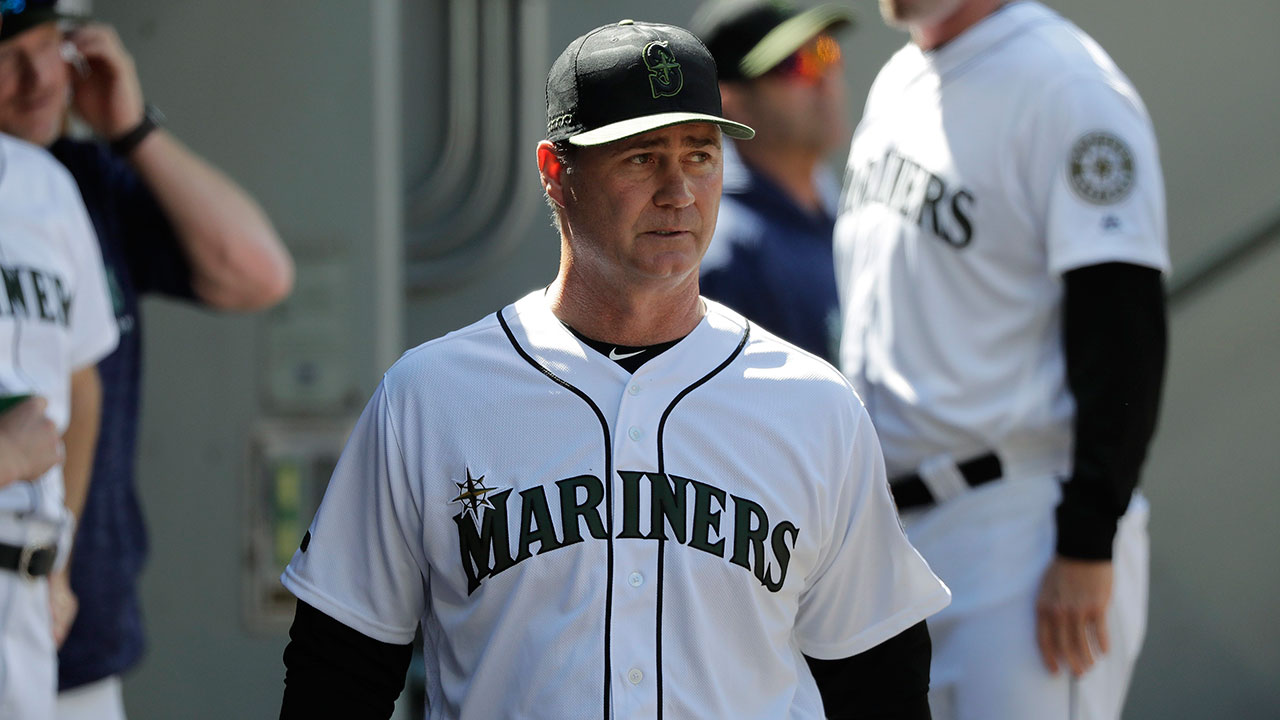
pixel 665 77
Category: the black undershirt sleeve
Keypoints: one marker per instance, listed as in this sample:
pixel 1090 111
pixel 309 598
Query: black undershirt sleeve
pixel 888 682
pixel 334 671
pixel 1115 336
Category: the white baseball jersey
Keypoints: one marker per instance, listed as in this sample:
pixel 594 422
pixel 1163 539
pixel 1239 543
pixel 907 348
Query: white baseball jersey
pixel 979 174
pixel 55 318
pixel 55 313
pixel 579 542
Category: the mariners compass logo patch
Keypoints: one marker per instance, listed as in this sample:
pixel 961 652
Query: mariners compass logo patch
pixel 1101 168
pixel 473 496
pixel 666 79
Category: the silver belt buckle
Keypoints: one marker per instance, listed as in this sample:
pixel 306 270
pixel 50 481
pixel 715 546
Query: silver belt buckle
pixel 24 562
pixel 943 478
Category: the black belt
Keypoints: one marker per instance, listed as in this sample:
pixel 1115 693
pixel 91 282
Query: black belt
pixel 909 491
pixel 28 561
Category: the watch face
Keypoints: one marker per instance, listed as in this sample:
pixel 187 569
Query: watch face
pixel 1101 168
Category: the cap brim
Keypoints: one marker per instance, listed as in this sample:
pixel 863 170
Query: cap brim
pixel 790 36
pixel 635 126
pixel 16 24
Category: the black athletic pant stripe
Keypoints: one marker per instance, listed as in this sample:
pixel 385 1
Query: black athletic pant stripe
pixel 662 468
pixel 608 489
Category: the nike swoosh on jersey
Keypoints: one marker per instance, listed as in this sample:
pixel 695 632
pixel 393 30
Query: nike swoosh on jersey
pixel 615 355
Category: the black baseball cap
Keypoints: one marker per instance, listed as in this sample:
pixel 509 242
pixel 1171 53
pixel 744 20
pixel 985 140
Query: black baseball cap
pixel 748 38
pixel 631 77
pixel 22 15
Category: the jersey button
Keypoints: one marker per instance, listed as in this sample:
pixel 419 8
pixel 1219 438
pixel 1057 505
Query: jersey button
pixel 634 389
pixel 634 433
pixel 636 579
pixel 635 676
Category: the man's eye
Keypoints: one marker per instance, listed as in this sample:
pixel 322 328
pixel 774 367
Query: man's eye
pixel 638 159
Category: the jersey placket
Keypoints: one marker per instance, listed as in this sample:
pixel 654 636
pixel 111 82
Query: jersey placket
pixel 636 581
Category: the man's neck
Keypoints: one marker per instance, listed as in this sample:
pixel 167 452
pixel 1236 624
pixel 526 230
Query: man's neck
pixel 788 168
pixel 622 317
pixel 937 34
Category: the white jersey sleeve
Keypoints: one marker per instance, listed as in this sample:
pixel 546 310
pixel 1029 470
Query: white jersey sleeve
pixel 1094 170
pixel 361 562
pixel 56 316
pixel 870 577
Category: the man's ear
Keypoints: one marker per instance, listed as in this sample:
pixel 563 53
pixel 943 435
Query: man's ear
pixel 551 171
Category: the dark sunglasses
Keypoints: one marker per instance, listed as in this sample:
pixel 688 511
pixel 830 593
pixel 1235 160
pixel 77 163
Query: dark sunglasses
pixel 810 63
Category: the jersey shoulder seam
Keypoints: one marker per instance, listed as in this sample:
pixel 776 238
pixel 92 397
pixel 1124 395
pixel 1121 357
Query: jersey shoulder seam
pixel 763 336
pixel 486 324
pixel 395 438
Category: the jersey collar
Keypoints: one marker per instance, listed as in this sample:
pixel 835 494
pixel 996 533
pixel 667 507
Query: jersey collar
pixel 557 351
pixel 1001 26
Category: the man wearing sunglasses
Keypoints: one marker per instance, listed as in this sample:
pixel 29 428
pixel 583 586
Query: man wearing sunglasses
pixel 780 73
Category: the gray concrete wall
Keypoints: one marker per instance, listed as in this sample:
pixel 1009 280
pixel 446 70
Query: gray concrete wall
pixel 278 93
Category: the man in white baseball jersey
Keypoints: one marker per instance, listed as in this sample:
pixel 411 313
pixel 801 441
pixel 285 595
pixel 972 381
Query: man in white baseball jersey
pixel 615 498
pixel 55 323
pixel 1000 251
pixel 168 224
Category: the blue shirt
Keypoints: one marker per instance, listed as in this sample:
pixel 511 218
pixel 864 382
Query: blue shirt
pixel 771 259
pixel 141 254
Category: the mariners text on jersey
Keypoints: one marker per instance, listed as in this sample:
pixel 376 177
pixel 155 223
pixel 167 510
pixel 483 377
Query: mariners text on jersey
pixel 34 294
pixel 680 509
pixel 511 490
pixel 920 195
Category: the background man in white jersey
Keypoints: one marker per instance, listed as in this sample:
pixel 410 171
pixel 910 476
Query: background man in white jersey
pixel 168 224
pixel 55 324
pixel 1000 251
pixel 615 498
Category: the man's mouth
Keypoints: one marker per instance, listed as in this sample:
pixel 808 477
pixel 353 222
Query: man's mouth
pixel 36 101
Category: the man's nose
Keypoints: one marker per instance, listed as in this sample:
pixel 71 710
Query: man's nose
pixel 38 68
pixel 675 188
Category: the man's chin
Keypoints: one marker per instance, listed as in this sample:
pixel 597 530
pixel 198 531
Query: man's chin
pixel 42 135
pixel 905 14
pixel 41 123
pixel 47 135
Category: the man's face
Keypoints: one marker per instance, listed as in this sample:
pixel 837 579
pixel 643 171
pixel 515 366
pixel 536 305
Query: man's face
pixel 34 81
pixel 640 211
pixel 906 13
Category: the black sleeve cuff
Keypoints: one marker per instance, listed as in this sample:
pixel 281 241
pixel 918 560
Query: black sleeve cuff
pixel 1084 531
pixel 332 670
pixel 888 682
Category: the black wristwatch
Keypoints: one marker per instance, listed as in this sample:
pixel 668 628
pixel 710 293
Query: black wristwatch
pixel 152 118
